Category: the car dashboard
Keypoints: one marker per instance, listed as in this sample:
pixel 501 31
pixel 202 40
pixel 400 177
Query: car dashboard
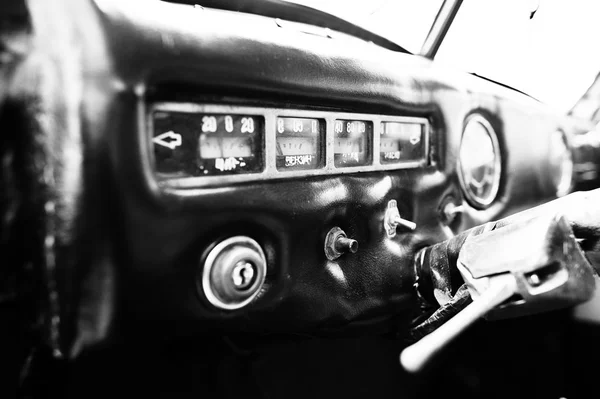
pixel 264 181
pixel 377 127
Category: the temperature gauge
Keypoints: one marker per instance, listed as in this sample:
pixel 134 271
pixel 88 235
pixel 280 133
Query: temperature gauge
pixel 402 142
pixel 352 145
pixel 299 143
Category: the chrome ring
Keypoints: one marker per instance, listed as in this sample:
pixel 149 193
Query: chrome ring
pixel 473 198
pixel 231 251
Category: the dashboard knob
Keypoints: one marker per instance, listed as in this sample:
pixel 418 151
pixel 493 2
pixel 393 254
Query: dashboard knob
pixel 344 244
pixel 233 273
pixel 337 244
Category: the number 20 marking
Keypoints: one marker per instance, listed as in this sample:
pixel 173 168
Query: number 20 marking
pixel 247 125
pixel 209 124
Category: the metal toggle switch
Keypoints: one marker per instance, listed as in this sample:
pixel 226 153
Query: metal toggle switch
pixel 392 219
pixel 450 211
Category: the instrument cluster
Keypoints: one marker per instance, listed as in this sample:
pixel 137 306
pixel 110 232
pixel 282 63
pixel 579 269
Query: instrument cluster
pixel 195 145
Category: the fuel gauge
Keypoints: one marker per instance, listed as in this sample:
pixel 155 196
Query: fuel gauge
pixel 299 143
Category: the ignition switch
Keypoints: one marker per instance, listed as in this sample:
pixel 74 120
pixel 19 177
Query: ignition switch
pixel 233 273
pixel 243 275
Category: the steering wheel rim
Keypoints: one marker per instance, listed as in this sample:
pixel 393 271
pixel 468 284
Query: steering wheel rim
pixel 55 214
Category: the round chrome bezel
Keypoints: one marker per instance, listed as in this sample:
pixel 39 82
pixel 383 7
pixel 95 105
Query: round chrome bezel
pixel 245 243
pixel 472 198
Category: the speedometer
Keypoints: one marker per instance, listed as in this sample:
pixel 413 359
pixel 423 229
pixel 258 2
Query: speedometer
pixel 479 162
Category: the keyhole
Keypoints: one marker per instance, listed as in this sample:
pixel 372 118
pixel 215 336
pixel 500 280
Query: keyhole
pixel 243 275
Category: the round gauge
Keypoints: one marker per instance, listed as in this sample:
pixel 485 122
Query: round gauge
pixel 479 162
pixel 561 164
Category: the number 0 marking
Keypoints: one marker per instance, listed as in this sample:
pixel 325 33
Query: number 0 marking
pixel 228 123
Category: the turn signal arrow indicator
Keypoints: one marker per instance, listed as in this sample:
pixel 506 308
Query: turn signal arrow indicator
pixel 169 139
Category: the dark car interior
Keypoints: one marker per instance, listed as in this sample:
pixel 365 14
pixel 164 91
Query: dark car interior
pixel 261 200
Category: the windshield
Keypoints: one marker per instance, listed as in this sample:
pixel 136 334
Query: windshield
pixel 404 22
pixel 551 56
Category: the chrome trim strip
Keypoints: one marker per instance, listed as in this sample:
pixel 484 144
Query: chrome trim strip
pixel 270 171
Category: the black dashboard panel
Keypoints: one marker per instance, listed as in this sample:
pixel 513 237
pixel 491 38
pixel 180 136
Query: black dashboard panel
pixel 250 65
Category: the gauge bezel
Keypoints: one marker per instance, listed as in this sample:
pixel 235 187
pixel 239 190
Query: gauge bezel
pixel 472 198
pixel 270 171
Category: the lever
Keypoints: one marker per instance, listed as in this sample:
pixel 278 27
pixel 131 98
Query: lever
pixel 415 357
pixel 450 210
pixel 504 278
pixel 392 220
